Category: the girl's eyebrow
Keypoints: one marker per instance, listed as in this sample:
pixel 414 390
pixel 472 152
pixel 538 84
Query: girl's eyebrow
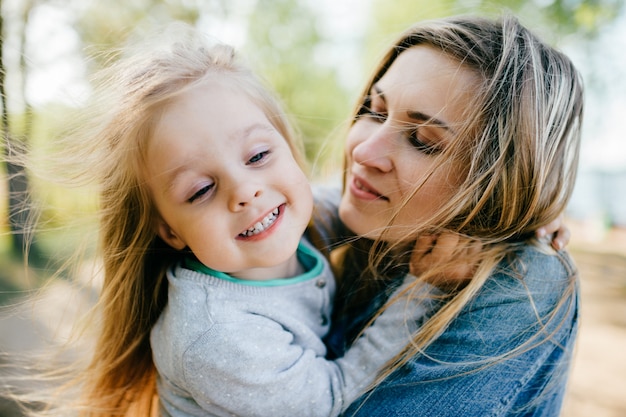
pixel 247 132
pixel 172 179
pixel 415 114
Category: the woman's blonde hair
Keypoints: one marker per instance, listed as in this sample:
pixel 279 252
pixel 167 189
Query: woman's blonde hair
pixel 519 141
pixel 109 151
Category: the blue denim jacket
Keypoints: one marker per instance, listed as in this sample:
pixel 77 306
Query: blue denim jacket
pixel 460 373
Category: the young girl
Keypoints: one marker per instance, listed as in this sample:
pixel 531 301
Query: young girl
pixel 249 300
pixel 203 206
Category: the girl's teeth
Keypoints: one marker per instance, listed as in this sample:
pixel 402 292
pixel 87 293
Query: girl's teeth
pixel 262 225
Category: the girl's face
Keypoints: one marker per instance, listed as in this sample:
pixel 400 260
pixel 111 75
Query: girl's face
pixel 408 118
pixel 225 183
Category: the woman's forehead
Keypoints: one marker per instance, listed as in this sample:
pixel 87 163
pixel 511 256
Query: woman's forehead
pixel 426 80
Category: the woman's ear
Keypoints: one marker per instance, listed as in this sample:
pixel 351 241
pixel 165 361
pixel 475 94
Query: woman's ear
pixel 168 235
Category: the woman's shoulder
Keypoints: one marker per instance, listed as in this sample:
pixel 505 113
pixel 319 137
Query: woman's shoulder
pixel 537 264
pixel 533 291
pixel 531 272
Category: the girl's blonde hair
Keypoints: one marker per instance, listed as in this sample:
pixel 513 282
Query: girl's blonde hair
pixel 109 151
pixel 519 141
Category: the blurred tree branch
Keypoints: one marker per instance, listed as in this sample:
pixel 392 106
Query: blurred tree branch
pixel 18 202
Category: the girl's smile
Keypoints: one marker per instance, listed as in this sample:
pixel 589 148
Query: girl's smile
pixel 226 185
pixel 264 225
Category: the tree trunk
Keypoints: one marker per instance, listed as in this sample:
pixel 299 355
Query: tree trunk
pixel 19 209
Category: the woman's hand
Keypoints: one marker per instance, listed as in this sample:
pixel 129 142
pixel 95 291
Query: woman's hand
pixel 559 231
pixel 447 260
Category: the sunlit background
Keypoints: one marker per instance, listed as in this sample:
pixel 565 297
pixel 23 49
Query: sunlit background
pixel 316 54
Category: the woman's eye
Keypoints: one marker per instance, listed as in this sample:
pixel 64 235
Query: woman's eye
pixel 378 116
pixel 202 191
pixel 422 145
pixel 258 157
pixel 365 107
pixel 367 110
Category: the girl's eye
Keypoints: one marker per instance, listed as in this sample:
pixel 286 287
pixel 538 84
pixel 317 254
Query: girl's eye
pixel 202 191
pixel 258 157
pixel 421 145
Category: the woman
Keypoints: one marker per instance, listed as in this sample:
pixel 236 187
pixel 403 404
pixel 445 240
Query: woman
pixel 471 128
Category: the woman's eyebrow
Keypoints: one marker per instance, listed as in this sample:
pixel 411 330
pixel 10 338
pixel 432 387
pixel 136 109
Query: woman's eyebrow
pixel 419 116
pixel 415 114
pixel 379 93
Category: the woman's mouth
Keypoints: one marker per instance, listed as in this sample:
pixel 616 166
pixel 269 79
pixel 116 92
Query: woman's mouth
pixel 365 191
pixel 263 224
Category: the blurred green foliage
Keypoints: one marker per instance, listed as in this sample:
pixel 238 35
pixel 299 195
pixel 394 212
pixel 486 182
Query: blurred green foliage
pixel 554 20
pixel 584 17
pixel 283 40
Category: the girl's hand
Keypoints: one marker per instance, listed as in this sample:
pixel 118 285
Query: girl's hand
pixel 452 261
pixel 559 231
pixel 447 260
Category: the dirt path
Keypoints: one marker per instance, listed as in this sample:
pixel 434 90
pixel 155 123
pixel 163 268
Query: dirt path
pixel 598 381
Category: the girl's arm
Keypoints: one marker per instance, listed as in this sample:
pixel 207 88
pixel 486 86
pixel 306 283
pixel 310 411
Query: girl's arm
pixel 558 231
pixel 265 371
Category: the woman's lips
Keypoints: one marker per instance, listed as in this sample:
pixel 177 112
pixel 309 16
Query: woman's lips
pixel 362 190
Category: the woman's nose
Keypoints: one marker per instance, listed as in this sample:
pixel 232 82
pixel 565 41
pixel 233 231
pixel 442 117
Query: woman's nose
pixel 243 194
pixel 375 149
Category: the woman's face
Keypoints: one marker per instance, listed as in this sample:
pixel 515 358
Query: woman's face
pixel 408 118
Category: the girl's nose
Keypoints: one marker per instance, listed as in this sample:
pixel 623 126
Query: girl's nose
pixel 242 195
pixel 374 150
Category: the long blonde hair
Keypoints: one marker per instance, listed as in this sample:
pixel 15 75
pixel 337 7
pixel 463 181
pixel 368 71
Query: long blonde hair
pixel 520 141
pixel 109 151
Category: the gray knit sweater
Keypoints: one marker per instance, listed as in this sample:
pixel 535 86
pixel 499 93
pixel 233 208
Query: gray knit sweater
pixel 228 348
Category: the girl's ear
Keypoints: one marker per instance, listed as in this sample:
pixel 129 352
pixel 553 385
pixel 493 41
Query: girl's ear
pixel 169 236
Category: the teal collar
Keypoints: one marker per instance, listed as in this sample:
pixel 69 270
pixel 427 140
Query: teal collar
pixel 308 258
